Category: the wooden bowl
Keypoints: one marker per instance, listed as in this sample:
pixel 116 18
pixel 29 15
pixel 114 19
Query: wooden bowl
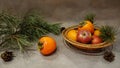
pixel 82 45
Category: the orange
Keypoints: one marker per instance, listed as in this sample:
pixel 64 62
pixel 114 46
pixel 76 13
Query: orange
pixel 47 45
pixel 97 32
pixel 72 34
pixel 88 26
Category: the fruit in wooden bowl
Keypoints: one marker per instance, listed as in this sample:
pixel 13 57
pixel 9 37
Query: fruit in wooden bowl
pixel 107 40
pixel 90 37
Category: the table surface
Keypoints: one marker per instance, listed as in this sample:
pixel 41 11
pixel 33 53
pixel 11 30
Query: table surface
pixel 65 57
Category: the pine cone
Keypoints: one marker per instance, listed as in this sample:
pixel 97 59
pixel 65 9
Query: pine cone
pixel 109 56
pixel 7 56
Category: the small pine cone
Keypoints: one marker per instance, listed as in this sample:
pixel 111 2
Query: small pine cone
pixel 7 56
pixel 109 56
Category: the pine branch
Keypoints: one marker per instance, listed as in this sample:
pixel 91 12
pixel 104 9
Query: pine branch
pixel 18 34
pixel 9 32
pixel 108 33
pixel 34 26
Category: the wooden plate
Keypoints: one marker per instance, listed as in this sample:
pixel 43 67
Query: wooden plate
pixel 81 45
pixel 96 52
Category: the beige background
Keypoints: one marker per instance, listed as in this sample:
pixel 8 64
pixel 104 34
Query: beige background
pixel 68 12
pixel 58 10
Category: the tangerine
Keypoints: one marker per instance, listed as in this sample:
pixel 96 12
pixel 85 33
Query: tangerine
pixel 97 32
pixel 72 34
pixel 47 45
pixel 87 26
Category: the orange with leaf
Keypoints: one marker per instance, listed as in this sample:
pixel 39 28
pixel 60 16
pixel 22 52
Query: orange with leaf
pixel 87 24
pixel 47 45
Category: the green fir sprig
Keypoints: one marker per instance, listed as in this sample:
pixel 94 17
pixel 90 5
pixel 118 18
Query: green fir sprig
pixel 108 33
pixel 34 26
pixel 16 33
pixel 9 33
